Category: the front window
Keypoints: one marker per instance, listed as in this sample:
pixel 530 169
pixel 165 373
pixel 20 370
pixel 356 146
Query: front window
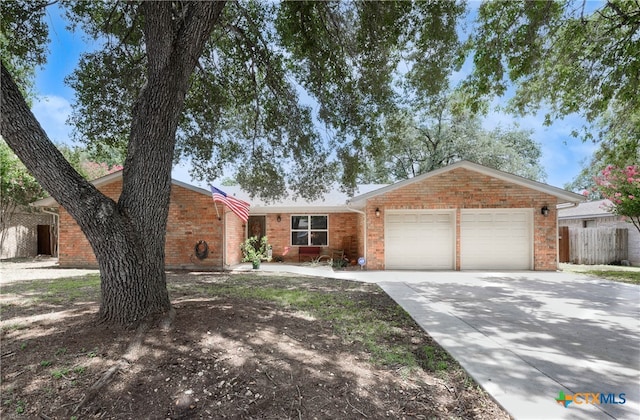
pixel 310 230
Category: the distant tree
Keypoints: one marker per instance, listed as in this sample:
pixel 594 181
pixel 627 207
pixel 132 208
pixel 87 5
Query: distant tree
pixel 619 147
pixel 17 187
pixel 622 187
pixel 94 170
pixel 228 182
pixel 416 142
pixel 585 182
pixel 569 56
pixel 88 163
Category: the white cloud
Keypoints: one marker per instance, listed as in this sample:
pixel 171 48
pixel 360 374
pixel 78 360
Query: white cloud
pixel 52 112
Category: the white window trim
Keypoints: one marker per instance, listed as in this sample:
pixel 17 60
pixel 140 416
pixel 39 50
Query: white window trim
pixel 308 230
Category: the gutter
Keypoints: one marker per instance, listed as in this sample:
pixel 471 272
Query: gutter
pixel 566 206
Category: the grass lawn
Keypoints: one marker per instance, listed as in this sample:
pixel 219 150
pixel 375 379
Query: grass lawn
pixel 632 277
pixel 241 346
pixel 620 274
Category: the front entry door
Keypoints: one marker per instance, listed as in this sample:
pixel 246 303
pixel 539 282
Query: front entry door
pixel 44 240
pixel 257 226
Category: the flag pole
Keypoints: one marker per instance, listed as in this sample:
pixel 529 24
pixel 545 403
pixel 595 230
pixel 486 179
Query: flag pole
pixel 238 207
pixel 216 206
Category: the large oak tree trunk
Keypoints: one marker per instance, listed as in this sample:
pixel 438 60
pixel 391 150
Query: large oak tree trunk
pixel 127 237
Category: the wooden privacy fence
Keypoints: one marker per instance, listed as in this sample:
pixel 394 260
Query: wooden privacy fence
pixel 601 245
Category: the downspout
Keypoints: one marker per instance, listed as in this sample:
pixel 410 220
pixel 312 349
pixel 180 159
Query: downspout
pixel 224 241
pixel 365 228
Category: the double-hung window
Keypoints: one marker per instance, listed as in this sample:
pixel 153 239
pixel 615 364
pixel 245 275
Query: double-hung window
pixel 310 230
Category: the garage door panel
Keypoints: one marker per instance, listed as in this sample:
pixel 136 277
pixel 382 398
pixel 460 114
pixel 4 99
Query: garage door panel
pixel 419 240
pixel 496 239
pixel 503 218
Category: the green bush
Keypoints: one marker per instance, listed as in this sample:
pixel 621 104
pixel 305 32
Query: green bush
pixel 255 250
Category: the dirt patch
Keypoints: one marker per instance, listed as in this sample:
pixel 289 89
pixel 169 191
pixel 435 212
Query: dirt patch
pixel 224 357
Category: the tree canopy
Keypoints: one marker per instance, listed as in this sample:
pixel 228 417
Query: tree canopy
pixel 17 187
pixel 415 141
pixel 272 73
pixel 269 76
pixel 23 36
pixel 89 163
pixel 568 56
pixel 619 147
pixel 565 57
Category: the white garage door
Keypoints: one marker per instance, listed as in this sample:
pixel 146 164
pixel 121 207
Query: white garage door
pixel 419 240
pixel 496 239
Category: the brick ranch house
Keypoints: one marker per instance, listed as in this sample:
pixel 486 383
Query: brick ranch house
pixel 461 217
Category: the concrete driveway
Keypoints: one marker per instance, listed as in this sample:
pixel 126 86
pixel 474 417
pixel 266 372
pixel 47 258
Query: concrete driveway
pixel 526 336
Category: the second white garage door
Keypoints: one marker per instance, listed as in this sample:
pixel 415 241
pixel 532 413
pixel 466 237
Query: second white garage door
pixel 419 240
pixel 496 239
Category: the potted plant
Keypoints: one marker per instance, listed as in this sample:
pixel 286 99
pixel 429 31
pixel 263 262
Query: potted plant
pixel 255 250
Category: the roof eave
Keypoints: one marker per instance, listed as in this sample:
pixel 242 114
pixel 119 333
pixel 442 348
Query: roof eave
pixel 45 202
pixel 257 210
pixel 98 182
pixel 107 179
pixel 586 216
pixel 190 187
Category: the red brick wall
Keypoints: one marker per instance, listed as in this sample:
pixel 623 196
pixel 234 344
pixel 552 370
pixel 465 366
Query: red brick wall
pixel 342 225
pixel 192 217
pixel 235 234
pixel 73 247
pixel 279 233
pixel 464 189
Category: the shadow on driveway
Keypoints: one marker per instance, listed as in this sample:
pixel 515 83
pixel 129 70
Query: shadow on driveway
pixel 526 336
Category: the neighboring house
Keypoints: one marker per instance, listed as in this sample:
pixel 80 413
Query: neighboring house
pixel 594 214
pixel 464 216
pixel 29 232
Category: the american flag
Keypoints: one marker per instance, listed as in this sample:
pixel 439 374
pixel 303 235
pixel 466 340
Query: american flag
pixel 239 207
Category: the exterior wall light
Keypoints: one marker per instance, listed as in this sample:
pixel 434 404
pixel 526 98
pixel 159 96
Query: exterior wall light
pixel 545 211
pixel 377 212
pixel 279 218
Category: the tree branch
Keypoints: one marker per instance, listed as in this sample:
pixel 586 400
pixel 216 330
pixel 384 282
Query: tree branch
pixel 25 136
pixel 627 18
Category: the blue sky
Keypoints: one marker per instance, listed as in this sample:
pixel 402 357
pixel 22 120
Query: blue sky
pixel 561 153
